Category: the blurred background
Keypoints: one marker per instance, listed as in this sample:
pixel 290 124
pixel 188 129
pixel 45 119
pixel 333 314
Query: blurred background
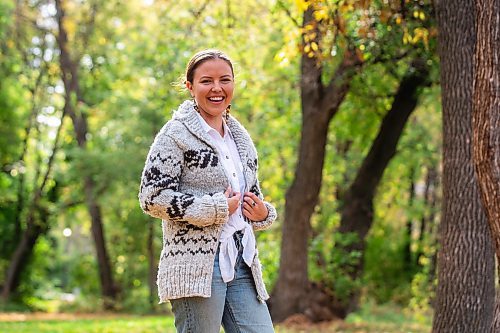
pixel 86 84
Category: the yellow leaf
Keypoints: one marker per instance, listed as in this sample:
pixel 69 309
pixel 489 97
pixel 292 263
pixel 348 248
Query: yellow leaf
pixel 314 46
pixel 309 27
pixel 307 48
pixel 321 14
pixel 70 27
pixel 406 37
pixel 302 4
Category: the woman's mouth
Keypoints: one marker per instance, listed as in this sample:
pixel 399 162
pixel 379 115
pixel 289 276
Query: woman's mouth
pixel 216 99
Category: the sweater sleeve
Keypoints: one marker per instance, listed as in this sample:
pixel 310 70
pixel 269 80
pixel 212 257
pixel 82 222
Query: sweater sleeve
pixel 271 216
pixel 159 194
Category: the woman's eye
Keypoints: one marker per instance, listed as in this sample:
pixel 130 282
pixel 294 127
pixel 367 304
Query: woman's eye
pixel 205 81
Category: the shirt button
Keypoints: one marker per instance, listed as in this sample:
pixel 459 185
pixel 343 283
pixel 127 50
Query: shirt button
pixel 234 175
pixel 227 157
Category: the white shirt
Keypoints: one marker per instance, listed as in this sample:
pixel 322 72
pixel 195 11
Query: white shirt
pixel 230 159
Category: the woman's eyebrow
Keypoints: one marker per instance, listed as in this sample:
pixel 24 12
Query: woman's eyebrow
pixel 210 77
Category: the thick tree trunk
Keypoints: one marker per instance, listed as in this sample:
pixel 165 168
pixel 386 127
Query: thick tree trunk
pixel 357 209
pixel 71 84
pixel 319 105
pixel 464 300
pixel 486 120
pixel 495 325
pixel 301 198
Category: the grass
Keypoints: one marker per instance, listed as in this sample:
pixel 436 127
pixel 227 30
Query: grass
pixel 372 319
pixel 128 324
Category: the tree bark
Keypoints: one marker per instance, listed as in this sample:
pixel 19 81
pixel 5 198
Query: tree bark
pixel 357 209
pixel 486 120
pixel 465 292
pixel 69 71
pixel 319 104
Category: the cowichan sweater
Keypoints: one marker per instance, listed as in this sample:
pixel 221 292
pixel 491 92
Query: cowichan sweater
pixel 183 183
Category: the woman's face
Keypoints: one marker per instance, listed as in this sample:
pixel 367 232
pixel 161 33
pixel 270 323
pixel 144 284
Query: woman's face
pixel 212 87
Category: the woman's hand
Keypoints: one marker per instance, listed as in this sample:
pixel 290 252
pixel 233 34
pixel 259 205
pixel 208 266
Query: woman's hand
pixel 254 208
pixel 233 200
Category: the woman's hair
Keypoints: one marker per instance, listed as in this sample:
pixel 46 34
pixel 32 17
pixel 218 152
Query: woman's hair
pixel 202 56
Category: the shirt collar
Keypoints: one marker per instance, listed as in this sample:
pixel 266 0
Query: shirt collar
pixel 207 128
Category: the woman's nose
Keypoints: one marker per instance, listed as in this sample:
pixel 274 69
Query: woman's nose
pixel 216 87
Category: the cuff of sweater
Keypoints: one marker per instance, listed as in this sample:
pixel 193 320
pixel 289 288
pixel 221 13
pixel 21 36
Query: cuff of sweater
pixel 271 217
pixel 221 208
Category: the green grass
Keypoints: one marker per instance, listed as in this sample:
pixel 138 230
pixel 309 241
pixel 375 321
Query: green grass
pixel 370 319
pixel 132 324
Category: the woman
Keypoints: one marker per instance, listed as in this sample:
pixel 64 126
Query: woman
pixel 200 178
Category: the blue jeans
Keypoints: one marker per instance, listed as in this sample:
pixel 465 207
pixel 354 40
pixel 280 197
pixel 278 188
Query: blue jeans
pixel 234 304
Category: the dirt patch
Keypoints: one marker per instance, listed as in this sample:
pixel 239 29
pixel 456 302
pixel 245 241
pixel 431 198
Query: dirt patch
pixel 302 323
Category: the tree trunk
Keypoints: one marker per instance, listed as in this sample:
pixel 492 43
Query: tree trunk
pixel 409 262
pixel 37 224
pixel 465 293
pixel 152 265
pixel 319 105
pixel 69 69
pixel 24 249
pixel 357 209
pixel 486 119
pixel 427 220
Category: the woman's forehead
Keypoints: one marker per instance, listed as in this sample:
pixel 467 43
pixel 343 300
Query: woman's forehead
pixel 213 67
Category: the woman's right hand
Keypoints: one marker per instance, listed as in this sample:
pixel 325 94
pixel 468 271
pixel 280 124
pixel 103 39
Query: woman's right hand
pixel 233 200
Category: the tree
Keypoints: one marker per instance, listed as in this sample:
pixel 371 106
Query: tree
pixel 73 94
pixel 486 121
pixel 357 210
pixel 465 265
pixel 31 215
pixel 319 105
pixel 320 102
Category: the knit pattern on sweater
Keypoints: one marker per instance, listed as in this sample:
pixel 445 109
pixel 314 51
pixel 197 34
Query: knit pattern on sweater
pixel 183 183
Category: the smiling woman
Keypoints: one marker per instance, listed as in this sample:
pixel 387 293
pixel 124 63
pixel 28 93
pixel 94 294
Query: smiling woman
pixel 212 88
pixel 200 178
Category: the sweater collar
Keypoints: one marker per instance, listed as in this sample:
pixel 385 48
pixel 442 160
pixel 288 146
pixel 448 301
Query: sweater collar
pixel 187 115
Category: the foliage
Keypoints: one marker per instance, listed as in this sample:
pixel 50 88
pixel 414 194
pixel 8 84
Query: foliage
pixel 129 55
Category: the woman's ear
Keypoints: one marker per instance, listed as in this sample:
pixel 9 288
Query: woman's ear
pixel 189 86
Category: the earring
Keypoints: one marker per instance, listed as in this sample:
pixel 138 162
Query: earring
pixel 195 106
pixel 228 110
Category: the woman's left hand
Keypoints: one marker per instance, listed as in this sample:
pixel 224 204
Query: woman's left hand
pixel 254 208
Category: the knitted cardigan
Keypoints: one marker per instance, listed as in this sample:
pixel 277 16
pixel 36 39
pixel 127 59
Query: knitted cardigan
pixel 183 183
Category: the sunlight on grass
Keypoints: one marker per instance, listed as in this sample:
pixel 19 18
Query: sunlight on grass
pixel 149 324
pixel 370 319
